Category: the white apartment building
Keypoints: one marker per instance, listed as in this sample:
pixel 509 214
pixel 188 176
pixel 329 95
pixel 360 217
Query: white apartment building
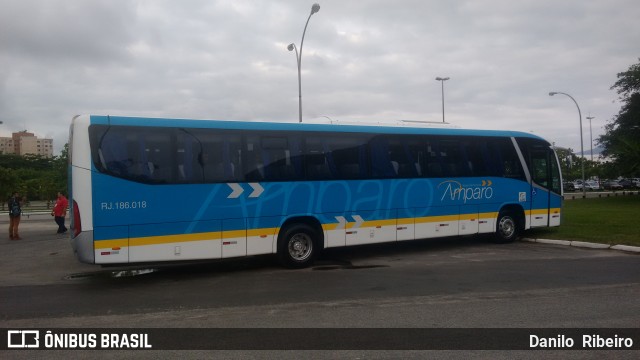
pixel 23 143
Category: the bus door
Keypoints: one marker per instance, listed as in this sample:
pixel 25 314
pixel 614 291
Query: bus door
pixel 541 158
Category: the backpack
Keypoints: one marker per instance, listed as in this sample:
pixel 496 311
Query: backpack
pixel 14 208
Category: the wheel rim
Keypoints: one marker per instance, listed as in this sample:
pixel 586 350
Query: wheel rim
pixel 506 227
pixel 300 247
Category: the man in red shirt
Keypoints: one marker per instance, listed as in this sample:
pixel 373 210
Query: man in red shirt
pixel 60 212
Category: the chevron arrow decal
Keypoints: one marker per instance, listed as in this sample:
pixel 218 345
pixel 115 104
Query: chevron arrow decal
pixel 342 222
pixel 359 220
pixel 237 190
pixel 257 190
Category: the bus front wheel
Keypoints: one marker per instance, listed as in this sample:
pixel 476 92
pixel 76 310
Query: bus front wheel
pixel 297 246
pixel 507 228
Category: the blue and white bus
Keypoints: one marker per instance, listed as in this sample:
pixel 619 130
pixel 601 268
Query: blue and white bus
pixel 156 190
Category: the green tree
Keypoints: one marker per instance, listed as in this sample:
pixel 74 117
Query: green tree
pixel 8 184
pixel 34 176
pixel 60 169
pixel 621 140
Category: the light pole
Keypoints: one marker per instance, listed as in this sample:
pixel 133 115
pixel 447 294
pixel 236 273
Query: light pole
pixel 314 9
pixel 442 80
pixel 584 189
pixel 591 135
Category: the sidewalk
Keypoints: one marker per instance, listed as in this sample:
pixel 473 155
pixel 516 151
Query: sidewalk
pixel 42 257
pixel 584 244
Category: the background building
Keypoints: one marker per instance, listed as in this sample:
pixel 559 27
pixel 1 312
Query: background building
pixel 23 143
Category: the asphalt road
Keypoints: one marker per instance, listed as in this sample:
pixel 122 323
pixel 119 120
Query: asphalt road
pixel 447 283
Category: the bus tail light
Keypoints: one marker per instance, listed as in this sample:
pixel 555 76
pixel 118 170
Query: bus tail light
pixel 77 224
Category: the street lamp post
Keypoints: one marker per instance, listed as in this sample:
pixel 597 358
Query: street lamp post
pixel 314 9
pixel 584 189
pixel 591 135
pixel 442 80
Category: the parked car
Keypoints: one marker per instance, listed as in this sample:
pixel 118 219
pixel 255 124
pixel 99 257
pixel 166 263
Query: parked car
pixel 626 184
pixel 577 185
pixel 568 186
pixel 612 185
pixel 592 185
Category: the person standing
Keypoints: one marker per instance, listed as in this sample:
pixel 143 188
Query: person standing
pixel 60 212
pixel 15 211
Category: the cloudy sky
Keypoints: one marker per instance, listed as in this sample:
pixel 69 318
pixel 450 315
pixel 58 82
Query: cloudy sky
pixel 370 61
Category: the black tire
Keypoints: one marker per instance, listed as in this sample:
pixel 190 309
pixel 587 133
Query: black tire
pixel 507 228
pixel 297 246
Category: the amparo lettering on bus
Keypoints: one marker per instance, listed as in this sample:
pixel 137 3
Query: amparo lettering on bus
pixel 380 196
pixel 368 195
pixel 455 191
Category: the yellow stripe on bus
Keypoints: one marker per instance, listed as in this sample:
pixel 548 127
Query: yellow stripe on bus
pixel 217 235
pixel 111 244
pixel 440 218
pixel 166 239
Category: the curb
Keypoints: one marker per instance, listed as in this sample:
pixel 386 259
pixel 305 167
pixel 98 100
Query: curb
pixel 583 244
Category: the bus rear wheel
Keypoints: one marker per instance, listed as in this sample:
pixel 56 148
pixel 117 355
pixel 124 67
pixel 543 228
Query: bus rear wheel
pixel 297 246
pixel 506 228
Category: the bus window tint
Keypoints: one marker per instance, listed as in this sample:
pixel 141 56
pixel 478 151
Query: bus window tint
pixel 188 148
pixel 134 154
pixel 453 158
pixel 110 152
pixel 504 159
pixel 181 155
pixel 556 185
pixel 161 160
pixel 433 160
pixel 382 165
pixel 541 161
pixel 349 156
pixel 211 164
pixel 316 159
pixel 219 157
pixel 475 163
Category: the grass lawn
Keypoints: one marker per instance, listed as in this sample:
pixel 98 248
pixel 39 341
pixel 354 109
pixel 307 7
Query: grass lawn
pixel 613 220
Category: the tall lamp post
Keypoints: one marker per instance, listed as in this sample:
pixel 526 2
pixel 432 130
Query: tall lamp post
pixel 584 189
pixel 442 80
pixel 314 9
pixel 591 135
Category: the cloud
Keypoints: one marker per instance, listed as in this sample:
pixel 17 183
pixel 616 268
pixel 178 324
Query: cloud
pixel 66 31
pixel 362 60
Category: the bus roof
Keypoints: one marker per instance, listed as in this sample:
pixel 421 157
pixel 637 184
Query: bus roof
pixel 381 128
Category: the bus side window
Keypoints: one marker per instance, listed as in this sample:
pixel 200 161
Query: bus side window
pixel 113 155
pixel 382 164
pixel 253 159
pixel 280 156
pixel 317 167
pixel 432 159
pixel 315 159
pixel 409 155
pixel 232 157
pixel 295 156
pixel 509 161
pixel 187 161
pixel 350 157
pixel 476 158
pixel 454 159
pixel 210 160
